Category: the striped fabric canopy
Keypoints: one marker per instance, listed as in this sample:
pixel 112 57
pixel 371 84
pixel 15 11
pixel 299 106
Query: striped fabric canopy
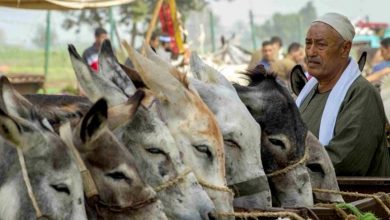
pixel 61 4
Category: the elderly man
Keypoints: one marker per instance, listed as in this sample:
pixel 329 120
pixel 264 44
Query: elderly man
pixel 339 105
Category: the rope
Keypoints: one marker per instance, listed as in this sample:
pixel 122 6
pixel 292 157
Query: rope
pixel 362 195
pixel 292 166
pixel 246 215
pixel 214 187
pixel 174 181
pixel 27 182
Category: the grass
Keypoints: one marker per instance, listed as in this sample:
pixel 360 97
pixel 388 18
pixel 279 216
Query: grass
pixel 60 73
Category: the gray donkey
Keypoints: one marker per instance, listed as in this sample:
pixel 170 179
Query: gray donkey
pixel 50 171
pixel 121 193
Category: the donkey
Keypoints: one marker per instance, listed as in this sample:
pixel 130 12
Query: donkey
pixel 192 125
pixel 240 131
pixel 282 139
pixel 148 139
pixel 56 185
pixel 122 194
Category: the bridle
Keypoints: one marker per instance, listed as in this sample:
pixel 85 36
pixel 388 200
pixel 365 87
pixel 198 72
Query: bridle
pixel 90 190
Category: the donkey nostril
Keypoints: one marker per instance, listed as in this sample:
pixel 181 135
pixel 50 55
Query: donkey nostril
pixel 211 216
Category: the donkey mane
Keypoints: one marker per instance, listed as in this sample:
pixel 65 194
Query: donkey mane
pixel 259 74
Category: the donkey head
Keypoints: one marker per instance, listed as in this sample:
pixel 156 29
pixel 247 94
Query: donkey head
pixel 241 134
pixel 112 168
pixel 148 138
pixel 283 137
pixel 55 179
pixel 150 141
pixel 191 123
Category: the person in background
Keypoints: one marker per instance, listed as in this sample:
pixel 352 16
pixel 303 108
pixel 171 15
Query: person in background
pixel 383 68
pixel 268 55
pixel 154 42
pixel 295 55
pixel 91 54
pixel 164 51
pixel 277 44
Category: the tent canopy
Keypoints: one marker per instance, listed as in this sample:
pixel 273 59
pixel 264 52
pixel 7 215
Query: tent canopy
pixel 61 4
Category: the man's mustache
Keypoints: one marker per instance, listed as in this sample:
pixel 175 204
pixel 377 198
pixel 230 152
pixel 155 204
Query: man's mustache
pixel 313 60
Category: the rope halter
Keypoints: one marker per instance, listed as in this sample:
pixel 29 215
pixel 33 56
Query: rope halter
pixel 292 166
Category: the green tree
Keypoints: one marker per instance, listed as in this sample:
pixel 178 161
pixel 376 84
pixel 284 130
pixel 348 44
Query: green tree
pixel 39 38
pixel 290 27
pixel 135 14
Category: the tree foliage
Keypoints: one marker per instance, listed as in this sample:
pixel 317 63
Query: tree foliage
pixel 138 11
pixel 290 27
pixel 39 38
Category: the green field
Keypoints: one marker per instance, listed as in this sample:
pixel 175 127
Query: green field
pixel 60 72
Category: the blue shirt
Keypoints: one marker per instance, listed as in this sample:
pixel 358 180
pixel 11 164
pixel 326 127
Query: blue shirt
pixel 381 66
pixel 265 63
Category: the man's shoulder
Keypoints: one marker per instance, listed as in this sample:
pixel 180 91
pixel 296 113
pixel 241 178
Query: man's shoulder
pixel 380 66
pixel 362 88
pixel 90 50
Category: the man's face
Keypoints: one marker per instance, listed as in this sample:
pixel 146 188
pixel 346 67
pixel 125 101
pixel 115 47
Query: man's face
pixel 325 50
pixel 268 52
pixel 385 51
pixel 154 43
pixel 100 38
pixel 299 55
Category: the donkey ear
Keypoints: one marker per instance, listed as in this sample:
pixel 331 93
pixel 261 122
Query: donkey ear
pixel 206 73
pixel 10 129
pixel 122 114
pixel 134 76
pixel 11 101
pixel 94 85
pixel 111 70
pixel 150 54
pixel 362 60
pixel 94 121
pixel 157 78
pixel 298 79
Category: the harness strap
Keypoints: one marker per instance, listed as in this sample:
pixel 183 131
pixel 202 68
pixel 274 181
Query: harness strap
pixel 27 182
pixel 250 187
pixel 89 185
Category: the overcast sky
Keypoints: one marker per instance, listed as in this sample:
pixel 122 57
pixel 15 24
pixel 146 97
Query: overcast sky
pixel 20 25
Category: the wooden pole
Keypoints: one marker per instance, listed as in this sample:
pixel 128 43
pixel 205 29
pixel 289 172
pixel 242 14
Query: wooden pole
pixel 253 30
pixel 47 46
pixel 212 31
pixel 152 23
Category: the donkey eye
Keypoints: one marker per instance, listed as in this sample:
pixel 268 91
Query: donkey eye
pixel 154 150
pixel 61 188
pixel 316 168
pixel 203 149
pixel 232 143
pixel 277 142
pixel 117 175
